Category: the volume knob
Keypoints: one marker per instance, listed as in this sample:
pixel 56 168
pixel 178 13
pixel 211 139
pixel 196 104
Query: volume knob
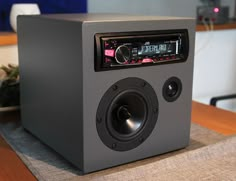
pixel 122 54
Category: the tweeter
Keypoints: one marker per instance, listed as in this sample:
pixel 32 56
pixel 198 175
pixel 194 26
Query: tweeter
pixel 172 89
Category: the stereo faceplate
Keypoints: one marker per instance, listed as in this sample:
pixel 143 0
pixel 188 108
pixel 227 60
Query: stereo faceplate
pixel 135 49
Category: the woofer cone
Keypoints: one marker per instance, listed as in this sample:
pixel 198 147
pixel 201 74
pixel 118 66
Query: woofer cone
pixel 127 113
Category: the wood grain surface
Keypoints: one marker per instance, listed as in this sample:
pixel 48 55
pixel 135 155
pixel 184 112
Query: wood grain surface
pixel 12 168
pixel 216 119
pixel 227 26
pixel 8 38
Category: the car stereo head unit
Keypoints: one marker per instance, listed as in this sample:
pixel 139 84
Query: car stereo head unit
pixel 123 50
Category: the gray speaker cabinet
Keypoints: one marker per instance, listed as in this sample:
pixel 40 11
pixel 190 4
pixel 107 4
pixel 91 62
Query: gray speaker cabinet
pixel 61 91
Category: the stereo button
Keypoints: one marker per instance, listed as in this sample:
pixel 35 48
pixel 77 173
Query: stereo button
pixel 147 60
pixel 109 52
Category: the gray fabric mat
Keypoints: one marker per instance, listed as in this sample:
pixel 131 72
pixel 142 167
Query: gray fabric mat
pixel 215 162
pixel 46 164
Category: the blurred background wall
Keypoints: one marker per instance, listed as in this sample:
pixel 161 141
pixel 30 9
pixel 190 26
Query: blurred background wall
pixel 46 6
pixel 151 7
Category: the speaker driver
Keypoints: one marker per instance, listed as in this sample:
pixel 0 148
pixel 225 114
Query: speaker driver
pixel 127 114
pixel 172 89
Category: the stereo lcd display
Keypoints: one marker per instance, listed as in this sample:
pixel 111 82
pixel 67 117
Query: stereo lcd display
pixel 159 48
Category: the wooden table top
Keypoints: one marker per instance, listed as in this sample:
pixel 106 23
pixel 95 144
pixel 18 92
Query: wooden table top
pixel 12 168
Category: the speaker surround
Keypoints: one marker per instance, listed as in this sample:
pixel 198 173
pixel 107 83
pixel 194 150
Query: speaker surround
pixel 127 114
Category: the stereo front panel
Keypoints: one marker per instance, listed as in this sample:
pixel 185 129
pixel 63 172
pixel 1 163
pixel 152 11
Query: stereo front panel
pixel 135 49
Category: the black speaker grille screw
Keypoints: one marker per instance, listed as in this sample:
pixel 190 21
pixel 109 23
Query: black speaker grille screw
pixel 99 120
pixel 155 110
pixel 113 145
pixel 140 140
pixel 115 87
pixel 144 84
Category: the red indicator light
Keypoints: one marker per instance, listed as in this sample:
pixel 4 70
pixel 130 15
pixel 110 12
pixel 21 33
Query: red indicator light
pixel 216 10
pixel 109 52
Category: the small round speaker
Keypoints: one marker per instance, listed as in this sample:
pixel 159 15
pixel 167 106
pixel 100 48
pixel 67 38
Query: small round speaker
pixel 172 89
pixel 127 114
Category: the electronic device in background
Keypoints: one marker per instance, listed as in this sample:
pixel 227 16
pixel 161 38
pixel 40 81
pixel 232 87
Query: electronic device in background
pixel 234 17
pixel 215 15
pixel 104 89
pixel 212 12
